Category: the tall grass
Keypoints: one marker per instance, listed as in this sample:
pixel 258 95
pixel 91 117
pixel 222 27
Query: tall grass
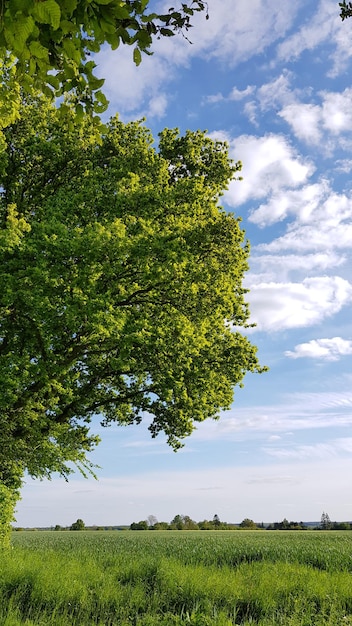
pixel 170 579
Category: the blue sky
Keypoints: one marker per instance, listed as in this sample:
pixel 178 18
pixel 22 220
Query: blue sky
pixel 274 80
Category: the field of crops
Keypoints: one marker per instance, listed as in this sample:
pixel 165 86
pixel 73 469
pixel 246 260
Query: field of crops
pixel 214 578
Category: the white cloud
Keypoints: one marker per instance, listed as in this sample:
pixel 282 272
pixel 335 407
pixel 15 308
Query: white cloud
pixel 325 349
pixel 324 27
pixel 213 99
pixel 315 451
pixel 304 120
pixel 232 35
pixel 343 165
pixel 276 267
pixel 269 163
pixel 234 95
pixel 313 236
pixel 130 88
pixel 319 28
pixel 336 111
pixel 301 203
pixel 342 53
pixel 157 106
pixel 311 122
pixel 232 41
pixel 250 110
pixel 276 92
pixel 290 414
pixel 278 306
pixel 322 219
pixel 237 94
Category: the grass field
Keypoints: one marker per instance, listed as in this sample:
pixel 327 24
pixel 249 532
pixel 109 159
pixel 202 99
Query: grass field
pixel 169 578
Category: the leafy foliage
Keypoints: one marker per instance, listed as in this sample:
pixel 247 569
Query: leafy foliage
pixel 120 280
pixel 52 40
pixel 8 499
pixel 325 522
pixel 78 525
pixel 345 9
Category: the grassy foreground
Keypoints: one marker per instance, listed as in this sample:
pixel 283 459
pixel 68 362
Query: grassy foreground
pixel 174 578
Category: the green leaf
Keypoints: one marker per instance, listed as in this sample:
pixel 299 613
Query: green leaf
pixel 53 81
pixel 23 28
pixel 48 12
pixel 72 50
pixel 167 32
pixel 70 6
pixel 38 51
pixel 95 83
pixel 100 103
pixel 137 57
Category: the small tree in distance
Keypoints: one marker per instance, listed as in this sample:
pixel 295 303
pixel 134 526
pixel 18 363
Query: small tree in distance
pixel 78 525
pixel 248 524
pixel 325 522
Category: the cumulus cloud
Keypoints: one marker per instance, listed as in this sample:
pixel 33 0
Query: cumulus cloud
pixel 278 306
pixel 232 41
pixel 277 92
pixel 234 95
pixel 324 349
pixel 278 267
pixel 322 219
pixel 237 94
pixel 269 163
pixel 314 236
pixel 304 120
pixel 311 122
pixel 300 203
pixel 232 36
pixel 130 88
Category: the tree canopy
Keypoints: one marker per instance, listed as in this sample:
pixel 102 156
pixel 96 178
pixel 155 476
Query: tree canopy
pixel 120 280
pixel 51 41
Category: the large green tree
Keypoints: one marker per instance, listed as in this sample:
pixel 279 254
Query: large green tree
pixel 120 286
pixel 51 41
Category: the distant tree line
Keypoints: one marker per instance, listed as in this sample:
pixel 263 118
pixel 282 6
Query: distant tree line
pixel 184 522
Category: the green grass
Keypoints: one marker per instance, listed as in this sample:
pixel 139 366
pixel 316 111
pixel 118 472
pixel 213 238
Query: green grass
pixel 176 578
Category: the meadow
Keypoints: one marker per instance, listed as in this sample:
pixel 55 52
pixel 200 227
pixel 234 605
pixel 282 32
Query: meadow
pixel 166 578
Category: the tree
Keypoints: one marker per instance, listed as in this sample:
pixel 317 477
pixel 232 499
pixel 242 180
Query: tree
pixel 248 524
pixel 120 286
pixel 177 522
pixel 325 522
pixel 161 526
pixel 216 521
pixel 78 525
pixel 51 42
pixel 189 523
pixel 142 525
